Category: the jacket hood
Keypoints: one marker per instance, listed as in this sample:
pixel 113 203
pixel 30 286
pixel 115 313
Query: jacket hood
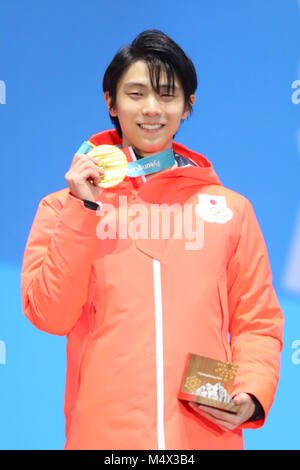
pixel 176 185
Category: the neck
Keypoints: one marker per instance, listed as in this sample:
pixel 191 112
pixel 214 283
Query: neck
pixel 140 155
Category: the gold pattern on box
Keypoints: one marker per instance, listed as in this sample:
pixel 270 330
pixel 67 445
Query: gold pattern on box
pixel 209 381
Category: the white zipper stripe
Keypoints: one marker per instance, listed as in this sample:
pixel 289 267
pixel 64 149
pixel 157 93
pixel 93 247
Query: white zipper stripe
pixel 159 355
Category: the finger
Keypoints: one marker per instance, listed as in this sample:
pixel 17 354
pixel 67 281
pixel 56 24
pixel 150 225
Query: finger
pixel 95 181
pixel 216 413
pixel 242 399
pixel 83 175
pixel 229 420
pixel 96 162
pixel 221 418
pixel 77 157
pixel 225 426
pixel 83 165
pixel 227 415
pixel 221 424
pixel 81 160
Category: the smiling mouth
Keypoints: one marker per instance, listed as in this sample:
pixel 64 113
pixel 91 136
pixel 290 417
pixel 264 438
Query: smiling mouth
pixel 151 127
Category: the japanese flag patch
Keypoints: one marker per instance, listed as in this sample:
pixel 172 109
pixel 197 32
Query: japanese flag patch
pixel 213 208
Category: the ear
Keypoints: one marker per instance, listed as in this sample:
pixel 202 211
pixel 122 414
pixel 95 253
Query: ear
pixel 108 99
pixel 187 110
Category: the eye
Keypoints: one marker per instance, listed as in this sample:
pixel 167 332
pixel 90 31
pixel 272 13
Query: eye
pixel 135 94
pixel 167 96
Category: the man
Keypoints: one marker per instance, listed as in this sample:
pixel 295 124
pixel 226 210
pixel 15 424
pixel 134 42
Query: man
pixel 133 306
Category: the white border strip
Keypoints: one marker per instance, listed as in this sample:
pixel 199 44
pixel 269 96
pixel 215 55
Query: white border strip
pixel 159 356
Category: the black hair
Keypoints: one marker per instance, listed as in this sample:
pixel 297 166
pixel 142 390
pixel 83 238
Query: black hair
pixel 160 53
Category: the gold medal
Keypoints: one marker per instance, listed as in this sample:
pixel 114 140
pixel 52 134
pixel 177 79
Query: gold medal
pixel 114 163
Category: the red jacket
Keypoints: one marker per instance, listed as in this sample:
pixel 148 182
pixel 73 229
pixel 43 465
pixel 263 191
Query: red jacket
pixel 133 308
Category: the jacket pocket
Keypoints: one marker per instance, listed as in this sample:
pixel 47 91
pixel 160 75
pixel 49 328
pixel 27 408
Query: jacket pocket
pixel 96 307
pixel 222 293
pixel 91 307
pixel 87 325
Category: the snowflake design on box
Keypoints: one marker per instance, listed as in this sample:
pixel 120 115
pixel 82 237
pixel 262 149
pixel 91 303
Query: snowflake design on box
pixel 227 371
pixel 192 383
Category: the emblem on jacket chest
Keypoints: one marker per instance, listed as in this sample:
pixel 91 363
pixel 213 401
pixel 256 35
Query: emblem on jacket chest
pixel 213 208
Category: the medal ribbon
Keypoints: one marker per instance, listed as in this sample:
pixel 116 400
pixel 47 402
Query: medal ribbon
pixel 85 147
pixel 144 166
pixel 148 165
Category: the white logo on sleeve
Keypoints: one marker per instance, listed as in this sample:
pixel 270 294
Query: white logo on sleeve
pixel 213 208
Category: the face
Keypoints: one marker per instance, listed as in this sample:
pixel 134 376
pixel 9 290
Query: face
pixel 148 119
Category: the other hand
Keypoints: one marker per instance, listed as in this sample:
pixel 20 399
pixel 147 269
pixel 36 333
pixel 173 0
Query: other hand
pixel 225 420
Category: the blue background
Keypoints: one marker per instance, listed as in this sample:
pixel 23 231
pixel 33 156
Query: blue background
pixel 52 59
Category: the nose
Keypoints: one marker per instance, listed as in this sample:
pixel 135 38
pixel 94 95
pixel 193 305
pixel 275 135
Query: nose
pixel 151 106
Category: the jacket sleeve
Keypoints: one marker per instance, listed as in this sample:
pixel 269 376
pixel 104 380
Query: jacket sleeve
pixel 57 262
pixel 256 319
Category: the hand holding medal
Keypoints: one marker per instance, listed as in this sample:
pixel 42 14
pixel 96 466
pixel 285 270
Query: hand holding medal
pixel 83 177
pixel 113 161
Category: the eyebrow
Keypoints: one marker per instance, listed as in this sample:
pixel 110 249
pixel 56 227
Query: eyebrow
pixel 132 84
pixel 144 85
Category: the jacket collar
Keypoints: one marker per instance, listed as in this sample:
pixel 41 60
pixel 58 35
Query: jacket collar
pixel 188 178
